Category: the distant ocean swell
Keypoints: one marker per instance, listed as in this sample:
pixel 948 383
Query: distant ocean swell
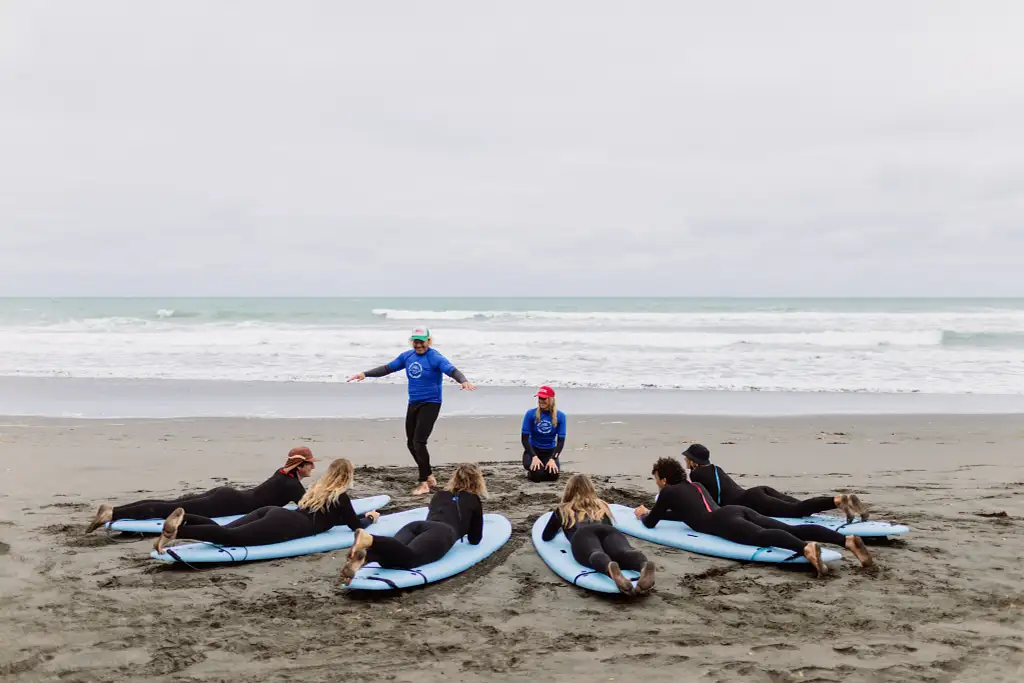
pixel 767 347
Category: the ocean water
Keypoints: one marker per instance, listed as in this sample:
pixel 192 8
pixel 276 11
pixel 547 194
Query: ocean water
pixel 890 346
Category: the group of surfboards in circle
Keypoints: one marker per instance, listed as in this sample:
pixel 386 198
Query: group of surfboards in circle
pixel 699 494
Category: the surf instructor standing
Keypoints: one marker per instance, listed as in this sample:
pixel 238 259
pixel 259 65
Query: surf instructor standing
pixel 425 367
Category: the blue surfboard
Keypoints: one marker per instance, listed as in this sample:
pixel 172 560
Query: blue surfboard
pixel 155 526
pixel 868 529
pixel 681 536
pixel 557 554
pixel 335 538
pixel 462 556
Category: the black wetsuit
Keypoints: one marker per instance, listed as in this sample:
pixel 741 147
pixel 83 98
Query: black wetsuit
pixel 545 454
pixel 420 417
pixel 763 499
pixel 451 516
pixel 691 503
pixel 279 490
pixel 273 524
pixel 595 544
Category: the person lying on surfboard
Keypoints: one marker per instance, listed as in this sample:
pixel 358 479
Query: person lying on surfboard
pixel 689 502
pixel 764 499
pixel 586 522
pixel 326 504
pixel 543 437
pixel 284 486
pixel 455 511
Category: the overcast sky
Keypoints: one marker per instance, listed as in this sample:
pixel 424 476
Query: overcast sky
pixel 676 148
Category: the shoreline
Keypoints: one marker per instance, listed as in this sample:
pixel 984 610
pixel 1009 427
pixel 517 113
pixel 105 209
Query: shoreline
pixel 145 399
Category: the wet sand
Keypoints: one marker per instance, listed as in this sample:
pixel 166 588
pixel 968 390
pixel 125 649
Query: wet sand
pixel 946 603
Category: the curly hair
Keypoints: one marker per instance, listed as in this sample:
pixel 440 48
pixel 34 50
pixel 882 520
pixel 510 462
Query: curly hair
pixel 669 469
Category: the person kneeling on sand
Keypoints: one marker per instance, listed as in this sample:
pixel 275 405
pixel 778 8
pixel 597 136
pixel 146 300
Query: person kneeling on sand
pixel 543 437
pixel 281 488
pixel 455 511
pixel 764 499
pixel 586 522
pixel 325 505
pixel 689 502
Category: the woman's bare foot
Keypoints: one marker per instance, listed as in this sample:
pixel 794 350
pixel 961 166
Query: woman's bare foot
pixel 856 546
pixel 646 581
pixel 103 515
pixel 624 584
pixel 843 503
pixel 364 539
pixel 432 482
pixel 858 507
pixel 812 551
pixel 356 560
pixel 422 490
pixel 170 530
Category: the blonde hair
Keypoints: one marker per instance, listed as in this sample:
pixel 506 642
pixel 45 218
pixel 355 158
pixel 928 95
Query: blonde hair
pixel 580 502
pixel 468 477
pixel 553 407
pixel 328 488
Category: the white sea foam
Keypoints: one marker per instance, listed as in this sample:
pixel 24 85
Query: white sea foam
pixel 940 351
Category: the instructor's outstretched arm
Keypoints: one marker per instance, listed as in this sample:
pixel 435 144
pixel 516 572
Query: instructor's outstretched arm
pixel 381 370
pixel 456 374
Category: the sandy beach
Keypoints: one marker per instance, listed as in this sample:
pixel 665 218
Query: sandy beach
pixel 946 603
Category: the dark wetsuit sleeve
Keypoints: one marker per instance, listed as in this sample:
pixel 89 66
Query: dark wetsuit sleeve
pixel 559 446
pixel 348 515
pixel 528 447
pixel 657 513
pixel 448 368
pixel 476 524
pixel 379 371
pixel 553 526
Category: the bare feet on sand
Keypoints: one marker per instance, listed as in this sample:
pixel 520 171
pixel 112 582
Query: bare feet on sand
pixel 422 490
pixel 103 515
pixel 170 530
pixel 351 566
pixel 356 556
pixel 646 582
pixel 842 502
pixel 858 507
pixel 624 584
pixel 855 544
pixel 812 551
pixel 364 539
pixel 432 481
pixel 851 506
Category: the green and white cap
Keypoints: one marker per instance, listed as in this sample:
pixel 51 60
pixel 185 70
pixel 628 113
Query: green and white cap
pixel 420 334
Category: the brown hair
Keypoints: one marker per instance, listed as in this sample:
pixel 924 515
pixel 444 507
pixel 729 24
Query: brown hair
pixel 580 502
pixel 468 477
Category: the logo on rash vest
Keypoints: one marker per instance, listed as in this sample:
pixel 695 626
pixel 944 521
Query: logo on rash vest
pixel 544 426
pixel 415 370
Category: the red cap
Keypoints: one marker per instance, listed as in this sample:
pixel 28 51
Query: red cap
pixel 545 392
